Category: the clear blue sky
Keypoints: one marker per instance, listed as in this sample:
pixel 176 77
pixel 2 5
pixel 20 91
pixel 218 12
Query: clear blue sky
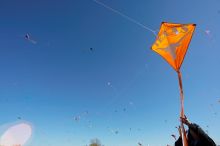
pixel 123 85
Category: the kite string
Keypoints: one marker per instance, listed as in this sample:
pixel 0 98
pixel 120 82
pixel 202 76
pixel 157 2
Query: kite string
pixel 125 16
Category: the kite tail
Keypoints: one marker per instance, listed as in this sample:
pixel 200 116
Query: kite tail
pixel 183 132
pixel 181 94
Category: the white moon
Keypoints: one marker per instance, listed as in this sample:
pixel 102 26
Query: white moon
pixel 16 135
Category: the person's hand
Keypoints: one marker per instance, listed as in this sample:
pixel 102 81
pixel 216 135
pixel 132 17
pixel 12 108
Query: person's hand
pixel 185 120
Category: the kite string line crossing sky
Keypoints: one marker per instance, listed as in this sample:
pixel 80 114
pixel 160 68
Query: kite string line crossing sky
pixel 133 20
pixel 125 16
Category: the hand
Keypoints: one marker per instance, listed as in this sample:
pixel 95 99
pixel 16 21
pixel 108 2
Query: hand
pixel 185 120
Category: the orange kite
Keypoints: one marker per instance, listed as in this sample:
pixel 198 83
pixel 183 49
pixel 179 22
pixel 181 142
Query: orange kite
pixel 172 43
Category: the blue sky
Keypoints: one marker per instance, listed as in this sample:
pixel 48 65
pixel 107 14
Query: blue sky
pixel 121 83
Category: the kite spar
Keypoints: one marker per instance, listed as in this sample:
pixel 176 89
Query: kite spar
pixel 172 43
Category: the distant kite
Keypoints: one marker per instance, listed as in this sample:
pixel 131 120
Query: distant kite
pixel 116 132
pixel 109 83
pixel 207 32
pixel 76 118
pixel 113 131
pixel 174 136
pixel 28 38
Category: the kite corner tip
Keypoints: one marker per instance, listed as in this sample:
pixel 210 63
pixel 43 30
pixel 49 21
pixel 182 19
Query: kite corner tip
pixel 194 24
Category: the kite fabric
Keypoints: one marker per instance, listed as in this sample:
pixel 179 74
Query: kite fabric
pixel 172 42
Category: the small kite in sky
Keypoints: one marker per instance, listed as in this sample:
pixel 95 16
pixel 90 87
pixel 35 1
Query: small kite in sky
pixel 207 32
pixel 28 38
pixel 174 136
pixel 91 49
pixel 109 84
pixel 113 131
pixel 140 144
pixel 76 118
pixel 81 116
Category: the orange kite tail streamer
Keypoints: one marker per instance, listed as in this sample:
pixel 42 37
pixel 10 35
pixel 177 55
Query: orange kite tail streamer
pixel 183 132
